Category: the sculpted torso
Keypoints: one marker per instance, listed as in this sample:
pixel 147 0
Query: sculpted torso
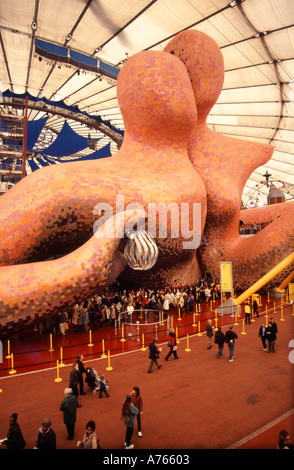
pixel 224 165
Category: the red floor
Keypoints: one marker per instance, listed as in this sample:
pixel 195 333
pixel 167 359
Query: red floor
pixel 213 404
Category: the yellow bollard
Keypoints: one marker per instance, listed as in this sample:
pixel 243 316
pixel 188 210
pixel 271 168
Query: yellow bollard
pixel 266 314
pixel 194 320
pixel 61 364
pixel 282 313
pixel 51 347
pixel 109 366
pixel 236 321
pixel 12 371
pixel 196 310
pixel 162 322
pixel 172 321
pixel 239 314
pixel 187 349
pixel 90 338
pixel 58 379
pixel 215 320
pixel 8 350
pixel 177 335
pixel 268 299
pixel 122 334
pixel 199 334
pixel 292 309
pixel 143 347
pixel 103 351
pixel 243 332
pixel 179 318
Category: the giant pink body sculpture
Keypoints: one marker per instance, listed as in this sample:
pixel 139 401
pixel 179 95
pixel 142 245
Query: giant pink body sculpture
pixel 152 166
pixel 224 165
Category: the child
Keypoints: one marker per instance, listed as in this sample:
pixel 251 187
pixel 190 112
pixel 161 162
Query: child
pixel 103 386
pixel 138 402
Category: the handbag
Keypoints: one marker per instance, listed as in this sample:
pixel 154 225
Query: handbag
pixel 170 344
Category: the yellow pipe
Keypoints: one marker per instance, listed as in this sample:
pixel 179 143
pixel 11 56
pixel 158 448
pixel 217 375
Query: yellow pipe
pixel 265 279
pixel 287 281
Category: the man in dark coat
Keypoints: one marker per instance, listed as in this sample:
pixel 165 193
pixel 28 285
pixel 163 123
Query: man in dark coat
pixel 69 408
pixel 219 339
pixel 81 371
pixel 74 380
pixel 271 337
pixel 46 436
pixel 230 338
pixel 153 355
pixel 209 333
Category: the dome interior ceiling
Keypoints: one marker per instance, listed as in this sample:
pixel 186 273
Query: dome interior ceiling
pixel 256 38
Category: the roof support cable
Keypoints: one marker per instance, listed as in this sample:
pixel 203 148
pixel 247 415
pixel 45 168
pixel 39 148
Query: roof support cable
pixel 6 62
pixel 70 34
pixel 273 61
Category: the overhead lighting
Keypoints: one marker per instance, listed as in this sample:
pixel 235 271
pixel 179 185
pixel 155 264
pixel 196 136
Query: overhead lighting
pixel 235 3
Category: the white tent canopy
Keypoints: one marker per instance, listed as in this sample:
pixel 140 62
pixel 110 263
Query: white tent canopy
pixel 256 38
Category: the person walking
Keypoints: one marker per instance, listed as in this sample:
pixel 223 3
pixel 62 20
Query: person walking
pixel 247 309
pixel 271 337
pixel 255 308
pixel 274 325
pixel 129 411
pixel 219 339
pixel 153 355
pixel 81 371
pixel 209 333
pixel 14 439
pixel 230 338
pixel 138 402
pixel 172 344
pixel 262 335
pixel 69 409
pixel 46 437
pixel 90 439
pixel 103 386
pixel 74 380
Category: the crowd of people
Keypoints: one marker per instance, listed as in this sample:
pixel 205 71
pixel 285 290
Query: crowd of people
pixel 116 304
pixel 46 437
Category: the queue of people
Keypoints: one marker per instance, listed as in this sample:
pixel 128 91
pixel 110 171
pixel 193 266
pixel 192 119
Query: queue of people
pixel 115 304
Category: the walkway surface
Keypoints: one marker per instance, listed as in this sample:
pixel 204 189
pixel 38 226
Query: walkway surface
pixel 197 402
